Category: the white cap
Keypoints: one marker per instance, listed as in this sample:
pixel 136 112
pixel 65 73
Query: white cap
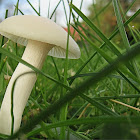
pixel 23 27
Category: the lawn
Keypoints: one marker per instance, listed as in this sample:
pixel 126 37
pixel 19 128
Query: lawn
pixel 93 97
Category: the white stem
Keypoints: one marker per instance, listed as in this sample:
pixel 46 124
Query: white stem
pixel 35 54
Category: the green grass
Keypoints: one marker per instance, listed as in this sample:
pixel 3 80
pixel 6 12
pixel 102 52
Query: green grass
pixel 72 98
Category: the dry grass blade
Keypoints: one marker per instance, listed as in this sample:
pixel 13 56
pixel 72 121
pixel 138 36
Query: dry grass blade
pixel 129 106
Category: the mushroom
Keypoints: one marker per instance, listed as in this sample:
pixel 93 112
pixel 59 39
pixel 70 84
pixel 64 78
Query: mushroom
pixel 42 37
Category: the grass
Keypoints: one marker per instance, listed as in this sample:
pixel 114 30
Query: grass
pixel 86 98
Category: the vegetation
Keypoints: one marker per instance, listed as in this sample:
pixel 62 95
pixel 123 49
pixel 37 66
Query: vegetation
pixel 95 97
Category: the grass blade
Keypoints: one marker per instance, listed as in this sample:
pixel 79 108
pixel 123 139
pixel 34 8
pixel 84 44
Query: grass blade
pixel 2 39
pixel 120 24
pixel 33 8
pixel 16 8
pixel 3 51
pixel 94 120
pixel 99 105
pixel 55 9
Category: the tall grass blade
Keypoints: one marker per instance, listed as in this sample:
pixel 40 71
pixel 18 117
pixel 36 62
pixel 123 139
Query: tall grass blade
pixel 33 8
pixel 55 9
pixel 2 39
pixel 39 7
pixel 120 24
pixel 65 12
pixel 16 8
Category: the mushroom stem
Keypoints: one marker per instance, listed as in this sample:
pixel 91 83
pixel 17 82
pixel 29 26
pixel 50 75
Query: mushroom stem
pixel 35 54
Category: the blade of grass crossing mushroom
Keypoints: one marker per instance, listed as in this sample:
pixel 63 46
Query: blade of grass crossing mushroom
pixel 63 114
pixel 58 74
pixel 7 53
pixel 12 98
pixel 51 18
pixel 16 13
pixel 12 110
pixel 66 60
pixel 77 91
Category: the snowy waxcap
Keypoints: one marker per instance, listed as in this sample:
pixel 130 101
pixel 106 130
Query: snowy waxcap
pixel 22 28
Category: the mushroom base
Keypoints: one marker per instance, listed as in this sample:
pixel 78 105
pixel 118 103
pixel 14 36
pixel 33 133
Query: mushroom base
pixel 35 54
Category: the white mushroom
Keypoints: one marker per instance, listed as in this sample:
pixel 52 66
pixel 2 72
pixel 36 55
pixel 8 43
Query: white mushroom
pixel 41 37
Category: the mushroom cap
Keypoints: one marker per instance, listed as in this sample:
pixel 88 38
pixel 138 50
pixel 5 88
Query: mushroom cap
pixel 22 28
